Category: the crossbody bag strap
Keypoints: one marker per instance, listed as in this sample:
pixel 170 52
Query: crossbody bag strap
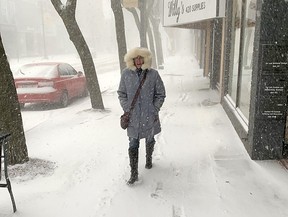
pixel 138 92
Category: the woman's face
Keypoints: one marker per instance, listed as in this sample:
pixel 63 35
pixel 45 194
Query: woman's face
pixel 138 61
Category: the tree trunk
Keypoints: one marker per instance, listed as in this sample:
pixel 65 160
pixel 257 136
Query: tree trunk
pixel 158 42
pixel 120 31
pixel 150 33
pixel 10 118
pixel 67 14
pixel 152 47
pixel 136 17
pixel 155 21
pixel 143 23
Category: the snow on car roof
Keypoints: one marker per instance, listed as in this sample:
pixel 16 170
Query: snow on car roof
pixel 44 70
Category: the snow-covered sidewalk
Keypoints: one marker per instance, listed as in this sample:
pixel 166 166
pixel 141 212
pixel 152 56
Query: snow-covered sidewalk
pixel 200 168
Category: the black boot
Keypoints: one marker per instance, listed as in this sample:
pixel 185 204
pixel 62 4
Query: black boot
pixel 149 152
pixel 133 156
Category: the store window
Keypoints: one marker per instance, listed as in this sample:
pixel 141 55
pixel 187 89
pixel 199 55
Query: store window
pixel 247 57
pixel 242 50
pixel 235 42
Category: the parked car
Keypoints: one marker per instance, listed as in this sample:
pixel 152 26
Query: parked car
pixel 50 82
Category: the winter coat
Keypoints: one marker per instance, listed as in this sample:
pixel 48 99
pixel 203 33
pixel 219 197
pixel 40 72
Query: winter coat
pixel 144 119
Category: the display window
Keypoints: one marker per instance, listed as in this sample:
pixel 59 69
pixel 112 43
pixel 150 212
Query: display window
pixel 247 57
pixel 235 51
pixel 243 30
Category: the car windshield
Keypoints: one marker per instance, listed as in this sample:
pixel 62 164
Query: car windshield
pixel 46 71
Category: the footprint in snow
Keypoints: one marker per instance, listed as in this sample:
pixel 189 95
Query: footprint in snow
pixel 158 190
pixel 178 211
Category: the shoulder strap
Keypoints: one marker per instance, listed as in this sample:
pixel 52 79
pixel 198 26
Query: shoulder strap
pixel 138 91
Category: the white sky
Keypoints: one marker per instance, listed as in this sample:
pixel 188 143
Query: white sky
pixel 79 160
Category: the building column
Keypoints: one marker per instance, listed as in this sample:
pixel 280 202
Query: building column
pixel 268 108
pixel 216 52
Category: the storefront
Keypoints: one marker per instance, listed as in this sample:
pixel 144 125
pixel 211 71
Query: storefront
pixel 251 71
pixel 256 74
pixel 206 16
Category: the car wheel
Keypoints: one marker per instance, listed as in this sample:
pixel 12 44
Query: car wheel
pixel 64 100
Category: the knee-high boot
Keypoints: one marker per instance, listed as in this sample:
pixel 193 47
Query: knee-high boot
pixel 133 156
pixel 149 152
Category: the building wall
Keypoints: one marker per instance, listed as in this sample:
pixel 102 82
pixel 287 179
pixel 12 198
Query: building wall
pixel 256 75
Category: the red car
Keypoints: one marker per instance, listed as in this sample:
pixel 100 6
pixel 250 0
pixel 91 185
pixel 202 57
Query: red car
pixel 49 83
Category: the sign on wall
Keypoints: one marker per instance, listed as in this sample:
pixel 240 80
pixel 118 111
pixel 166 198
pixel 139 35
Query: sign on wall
pixel 178 12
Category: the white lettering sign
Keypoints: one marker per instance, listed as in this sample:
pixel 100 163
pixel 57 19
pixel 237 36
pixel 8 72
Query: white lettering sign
pixel 178 12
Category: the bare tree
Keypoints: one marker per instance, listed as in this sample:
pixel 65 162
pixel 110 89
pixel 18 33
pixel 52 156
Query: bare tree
pixel 120 31
pixel 155 21
pixel 148 9
pixel 67 13
pixel 136 17
pixel 10 118
pixel 143 22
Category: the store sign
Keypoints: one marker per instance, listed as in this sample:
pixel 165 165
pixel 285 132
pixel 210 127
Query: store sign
pixel 130 3
pixel 178 12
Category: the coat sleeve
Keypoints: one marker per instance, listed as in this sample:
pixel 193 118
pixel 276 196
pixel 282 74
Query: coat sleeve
pixel 159 94
pixel 122 94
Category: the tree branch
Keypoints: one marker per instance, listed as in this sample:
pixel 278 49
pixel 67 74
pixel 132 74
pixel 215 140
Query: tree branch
pixel 58 6
pixel 135 15
pixel 71 4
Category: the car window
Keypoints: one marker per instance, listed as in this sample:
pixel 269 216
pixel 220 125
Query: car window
pixel 66 69
pixel 71 70
pixel 63 70
pixel 37 70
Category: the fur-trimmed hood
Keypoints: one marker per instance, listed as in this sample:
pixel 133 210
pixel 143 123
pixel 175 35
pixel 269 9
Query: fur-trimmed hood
pixel 138 51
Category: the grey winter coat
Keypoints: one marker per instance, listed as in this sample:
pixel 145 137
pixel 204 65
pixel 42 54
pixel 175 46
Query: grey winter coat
pixel 144 119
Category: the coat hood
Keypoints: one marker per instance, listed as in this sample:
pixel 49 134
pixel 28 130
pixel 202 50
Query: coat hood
pixel 138 51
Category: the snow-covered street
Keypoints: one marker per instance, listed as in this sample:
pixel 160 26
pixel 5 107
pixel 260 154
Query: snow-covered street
pixel 79 160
